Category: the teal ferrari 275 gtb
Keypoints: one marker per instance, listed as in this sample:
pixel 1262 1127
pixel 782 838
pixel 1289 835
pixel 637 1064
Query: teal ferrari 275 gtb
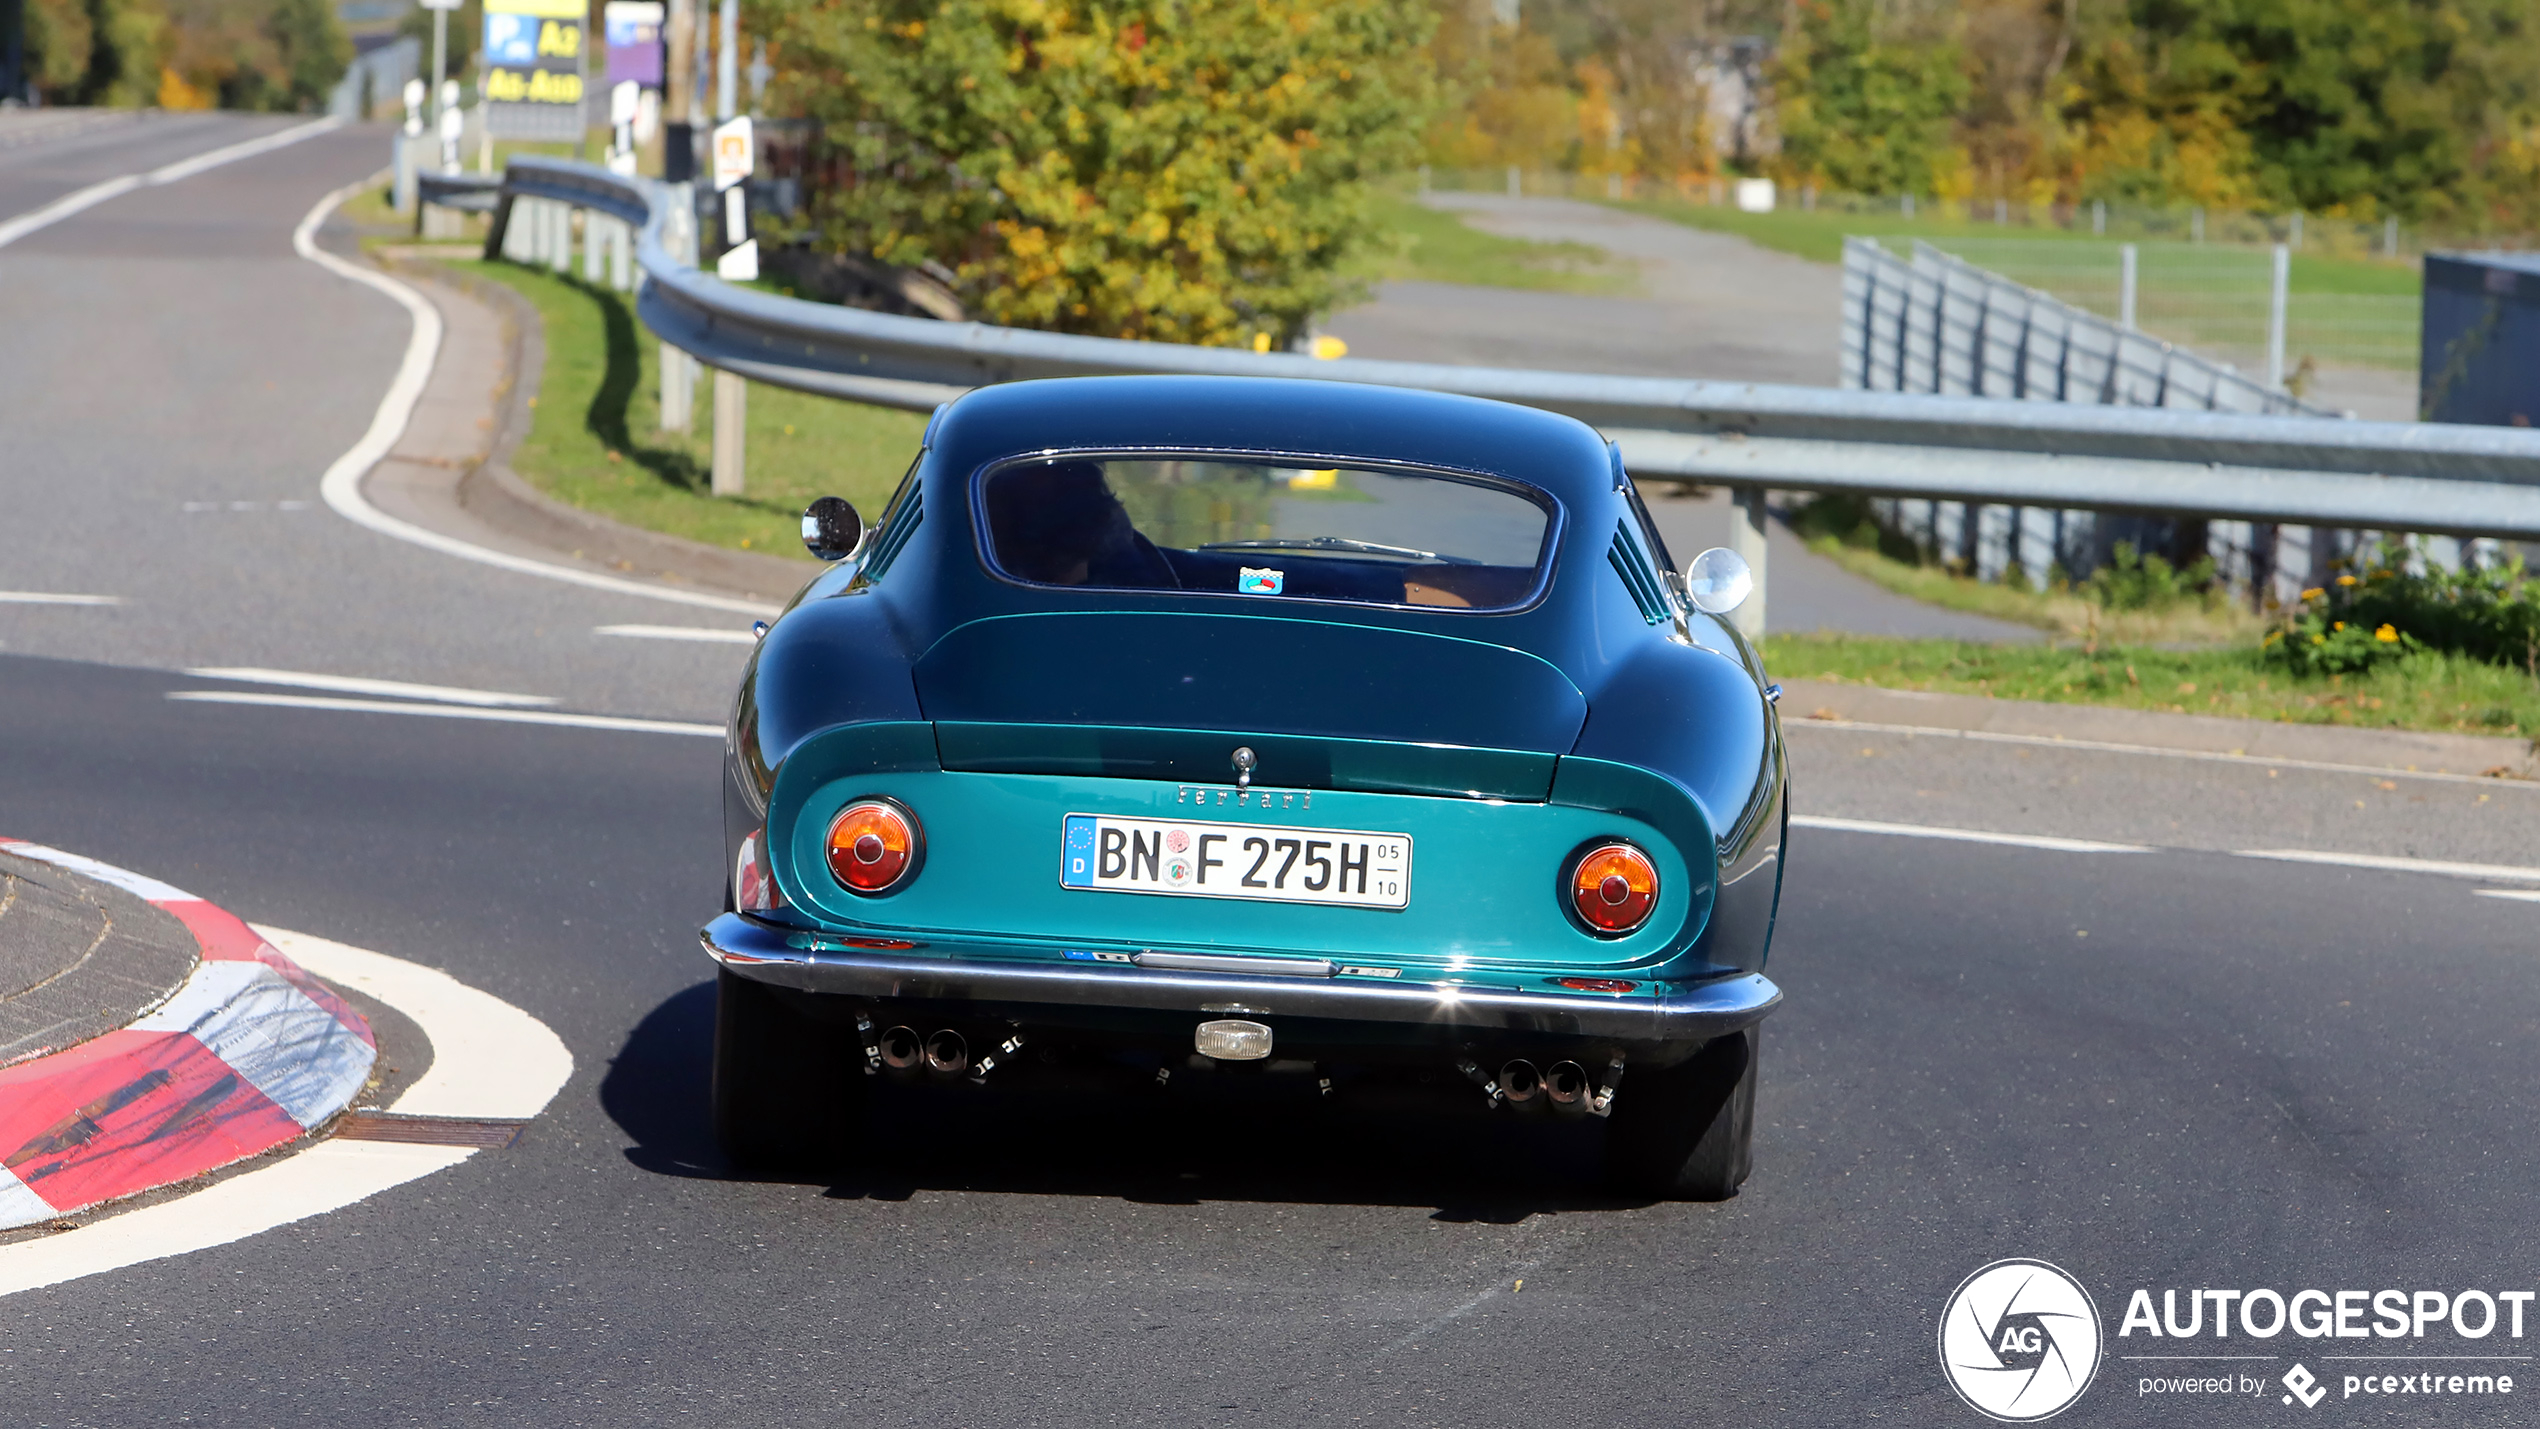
pixel 1193 726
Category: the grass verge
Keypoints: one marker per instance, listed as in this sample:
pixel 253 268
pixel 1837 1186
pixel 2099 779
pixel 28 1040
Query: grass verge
pixel 1819 237
pixel 595 437
pixel 2446 693
pixel 1435 246
pixel 1839 529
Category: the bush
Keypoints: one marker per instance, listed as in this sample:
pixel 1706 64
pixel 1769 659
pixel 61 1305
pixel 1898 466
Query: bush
pixel 2402 603
pixel 2134 581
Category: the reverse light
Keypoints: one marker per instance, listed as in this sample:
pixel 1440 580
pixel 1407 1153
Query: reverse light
pixel 875 846
pixel 1613 887
pixel 754 887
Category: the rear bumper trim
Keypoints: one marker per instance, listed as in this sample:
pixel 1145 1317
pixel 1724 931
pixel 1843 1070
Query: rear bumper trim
pixel 1674 1012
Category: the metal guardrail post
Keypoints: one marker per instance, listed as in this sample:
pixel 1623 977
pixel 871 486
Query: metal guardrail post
pixel 2277 291
pixel 678 369
pixel 731 432
pixel 593 242
pixel 1747 538
pixel 560 237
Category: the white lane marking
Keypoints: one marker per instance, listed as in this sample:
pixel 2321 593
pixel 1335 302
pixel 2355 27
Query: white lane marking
pixel 2049 741
pixel 327 1177
pixel 2504 871
pixel 95 194
pixel 489 1059
pixel 574 721
pixel 342 484
pixel 357 685
pixel 679 632
pixel 1980 836
pixel 2519 895
pixel 188 168
pixel 46 597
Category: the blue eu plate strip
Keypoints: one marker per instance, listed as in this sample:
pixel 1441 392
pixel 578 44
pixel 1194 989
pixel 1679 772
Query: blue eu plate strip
pixel 1076 852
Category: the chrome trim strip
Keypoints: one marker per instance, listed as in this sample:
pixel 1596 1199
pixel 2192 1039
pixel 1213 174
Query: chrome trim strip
pixel 1687 1012
pixel 1233 963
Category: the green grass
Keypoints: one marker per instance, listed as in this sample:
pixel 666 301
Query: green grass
pixel 595 439
pixel 2450 694
pixel 1439 247
pixel 1819 238
pixel 1840 529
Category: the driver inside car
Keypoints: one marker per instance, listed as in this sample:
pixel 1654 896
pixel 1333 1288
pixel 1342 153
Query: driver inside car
pixel 1057 523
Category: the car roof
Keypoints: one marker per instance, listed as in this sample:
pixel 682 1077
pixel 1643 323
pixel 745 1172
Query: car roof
pixel 1561 455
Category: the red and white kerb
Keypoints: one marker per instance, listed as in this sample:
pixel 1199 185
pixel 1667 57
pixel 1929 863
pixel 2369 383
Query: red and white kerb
pixel 250 1052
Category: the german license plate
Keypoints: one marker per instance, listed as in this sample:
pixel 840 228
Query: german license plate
pixel 1348 867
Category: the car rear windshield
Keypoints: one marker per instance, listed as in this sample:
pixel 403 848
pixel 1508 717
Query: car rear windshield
pixel 1384 537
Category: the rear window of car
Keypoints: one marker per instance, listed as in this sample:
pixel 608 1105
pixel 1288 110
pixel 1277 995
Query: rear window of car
pixel 1261 529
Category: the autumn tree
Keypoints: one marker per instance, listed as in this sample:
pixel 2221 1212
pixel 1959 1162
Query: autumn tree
pixel 1866 101
pixel 1171 170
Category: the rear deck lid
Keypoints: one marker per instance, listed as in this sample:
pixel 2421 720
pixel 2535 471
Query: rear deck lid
pixel 1166 670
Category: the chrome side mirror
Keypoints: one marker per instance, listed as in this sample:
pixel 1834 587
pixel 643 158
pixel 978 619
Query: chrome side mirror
pixel 831 528
pixel 1718 581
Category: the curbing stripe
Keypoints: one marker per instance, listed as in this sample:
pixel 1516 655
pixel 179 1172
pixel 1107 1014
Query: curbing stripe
pixel 489 1059
pixel 289 1048
pixel 249 1053
pixel 18 1205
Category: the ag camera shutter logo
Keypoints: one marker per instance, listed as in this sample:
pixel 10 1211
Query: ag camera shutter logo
pixel 2019 1341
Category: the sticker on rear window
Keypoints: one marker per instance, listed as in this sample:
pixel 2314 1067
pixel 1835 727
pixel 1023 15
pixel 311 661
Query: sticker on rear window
pixel 1261 580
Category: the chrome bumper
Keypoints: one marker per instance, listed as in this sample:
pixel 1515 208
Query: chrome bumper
pixel 1673 1012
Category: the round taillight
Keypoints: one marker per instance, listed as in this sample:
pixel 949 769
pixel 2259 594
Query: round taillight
pixel 874 846
pixel 1613 887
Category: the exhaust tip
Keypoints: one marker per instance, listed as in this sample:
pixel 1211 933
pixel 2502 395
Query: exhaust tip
pixel 901 1049
pixel 946 1052
pixel 1519 1082
pixel 1565 1084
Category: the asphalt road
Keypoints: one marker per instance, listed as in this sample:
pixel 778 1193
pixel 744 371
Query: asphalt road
pixel 2155 1069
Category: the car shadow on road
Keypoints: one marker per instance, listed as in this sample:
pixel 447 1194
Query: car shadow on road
pixel 1242 1139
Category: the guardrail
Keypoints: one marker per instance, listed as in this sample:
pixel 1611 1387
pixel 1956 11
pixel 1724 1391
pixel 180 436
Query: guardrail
pixel 2451 480
pixel 1937 323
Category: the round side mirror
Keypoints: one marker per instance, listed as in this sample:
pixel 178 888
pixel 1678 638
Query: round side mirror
pixel 831 528
pixel 1718 581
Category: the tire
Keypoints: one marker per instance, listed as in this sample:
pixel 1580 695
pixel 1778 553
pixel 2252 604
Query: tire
pixel 1687 1132
pixel 785 1095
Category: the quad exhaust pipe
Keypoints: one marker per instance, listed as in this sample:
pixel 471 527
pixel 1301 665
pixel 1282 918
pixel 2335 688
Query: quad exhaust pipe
pixel 1519 1082
pixel 1564 1086
pixel 943 1051
pixel 901 1048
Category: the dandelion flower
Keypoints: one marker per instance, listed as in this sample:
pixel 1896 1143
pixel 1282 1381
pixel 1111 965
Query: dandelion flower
pixel 2345 580
pixel 2387 635
pixel 2314 593
pixel 2338 626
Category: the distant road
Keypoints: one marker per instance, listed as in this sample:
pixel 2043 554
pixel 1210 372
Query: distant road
pixel 1714 305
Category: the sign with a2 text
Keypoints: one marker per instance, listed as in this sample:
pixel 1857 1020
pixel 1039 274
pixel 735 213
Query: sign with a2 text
pixel 534 51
